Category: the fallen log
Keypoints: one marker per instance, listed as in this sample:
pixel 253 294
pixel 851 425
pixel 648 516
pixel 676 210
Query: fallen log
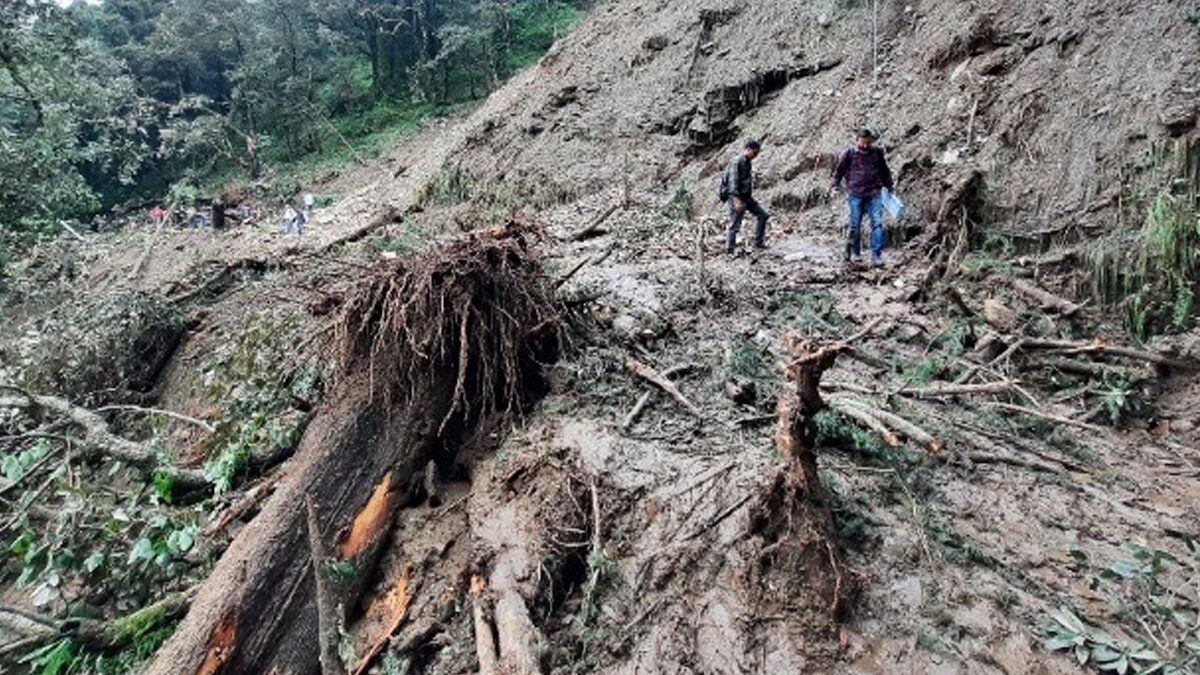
pixel 1049 417
pixel 1045 299
pixel 1104 349
pixel 865 418
pixel 428 350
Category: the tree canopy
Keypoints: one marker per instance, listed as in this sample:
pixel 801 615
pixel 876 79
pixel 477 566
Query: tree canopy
pixel 101 103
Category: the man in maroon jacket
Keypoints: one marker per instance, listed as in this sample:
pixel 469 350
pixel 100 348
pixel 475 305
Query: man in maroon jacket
pixel 865 170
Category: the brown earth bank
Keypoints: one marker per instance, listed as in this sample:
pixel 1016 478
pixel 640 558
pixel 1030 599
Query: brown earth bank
pixel 987 461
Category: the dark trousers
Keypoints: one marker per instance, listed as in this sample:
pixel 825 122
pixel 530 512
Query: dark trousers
pixel 735 223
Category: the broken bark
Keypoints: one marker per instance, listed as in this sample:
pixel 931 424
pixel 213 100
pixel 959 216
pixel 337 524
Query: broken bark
pixel 485 637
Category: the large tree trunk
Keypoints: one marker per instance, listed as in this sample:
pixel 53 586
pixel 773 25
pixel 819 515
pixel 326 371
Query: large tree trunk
pixel 257 612
pixel 429 349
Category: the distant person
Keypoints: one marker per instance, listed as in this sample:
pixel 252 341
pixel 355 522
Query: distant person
pixel 865 170
pixel 196 220
pixel 738 187
pixel 218 214
pixel 291 221
pixel 158 215
pixel 246 213
pixel 309 203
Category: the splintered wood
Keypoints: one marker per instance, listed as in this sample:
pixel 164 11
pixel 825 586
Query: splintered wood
pixel 220 646
pixel 392 609
pixel 370 521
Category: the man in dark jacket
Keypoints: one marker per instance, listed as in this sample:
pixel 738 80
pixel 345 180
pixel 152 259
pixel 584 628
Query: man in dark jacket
pixel 865 170
pixel 740 178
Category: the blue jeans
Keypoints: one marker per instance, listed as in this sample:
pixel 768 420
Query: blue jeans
pixel 735 223
pixel 872 207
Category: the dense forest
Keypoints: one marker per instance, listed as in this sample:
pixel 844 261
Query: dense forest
pixel 106 102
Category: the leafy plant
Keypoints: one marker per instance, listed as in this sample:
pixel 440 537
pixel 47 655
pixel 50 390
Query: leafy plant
pixel 1091 645
pixel 682 206
pixel 1154 596
pixel 746 360
pixel 254 379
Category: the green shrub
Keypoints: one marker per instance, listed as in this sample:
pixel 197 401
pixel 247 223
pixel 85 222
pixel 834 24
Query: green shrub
pixel 95 350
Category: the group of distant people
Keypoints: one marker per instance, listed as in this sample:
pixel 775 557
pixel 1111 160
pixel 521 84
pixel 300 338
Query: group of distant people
pixel 863 169
pixel 296 215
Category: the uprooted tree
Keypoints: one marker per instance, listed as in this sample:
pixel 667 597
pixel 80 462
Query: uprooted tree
pixel 429 350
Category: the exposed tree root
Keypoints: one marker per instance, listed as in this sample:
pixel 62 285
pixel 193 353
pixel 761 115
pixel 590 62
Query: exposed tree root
pixel 428 349
pixel 792 516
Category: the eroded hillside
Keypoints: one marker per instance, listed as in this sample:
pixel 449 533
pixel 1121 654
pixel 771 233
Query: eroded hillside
pixel 1003 481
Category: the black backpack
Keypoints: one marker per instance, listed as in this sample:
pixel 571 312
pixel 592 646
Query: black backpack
pixel 725 189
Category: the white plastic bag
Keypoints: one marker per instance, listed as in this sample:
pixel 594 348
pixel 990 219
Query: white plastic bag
pixel 893 205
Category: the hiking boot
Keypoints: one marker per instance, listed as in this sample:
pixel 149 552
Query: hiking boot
pixel 854 259
pixel 876 261
pixel 760 245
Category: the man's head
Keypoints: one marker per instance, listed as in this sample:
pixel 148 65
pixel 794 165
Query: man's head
pixel 752 149
pixel 866 138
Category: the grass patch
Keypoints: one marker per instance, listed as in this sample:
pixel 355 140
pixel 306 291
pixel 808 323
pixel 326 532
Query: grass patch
pixel 1153 277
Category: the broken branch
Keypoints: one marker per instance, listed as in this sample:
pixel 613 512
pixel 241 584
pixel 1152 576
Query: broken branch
pixel 659 380
pixel 1045 299
pixel 1057 419
pixel 644 400
pixel 158 411
pixel 98 439
pixel 595 224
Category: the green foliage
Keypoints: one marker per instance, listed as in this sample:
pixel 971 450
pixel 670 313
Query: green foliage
pixel 104 101
pixel 682 206
pixel 253 378
pixel 834 428
pixel 923 371
pixel 747 360
pixel 14 465
pixel 1154 278
pixel 990 257
pixel 1145 593
pixel 452 185
pixel 90 349
pixel 1122 401
pixel 810 312
pixel 406 238
pixel 71 120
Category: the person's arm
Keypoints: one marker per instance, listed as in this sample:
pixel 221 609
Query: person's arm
pixel 885 172
pixel 840 170
pixel 741 177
